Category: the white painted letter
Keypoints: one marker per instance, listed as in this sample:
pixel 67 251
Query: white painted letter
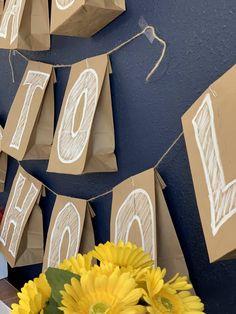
pixel 16 215
pixel 137 207
pixel 68 220
pixel 64 4
pixel 71 143
pixel 35 80
pixel 13 9
pixel 222 197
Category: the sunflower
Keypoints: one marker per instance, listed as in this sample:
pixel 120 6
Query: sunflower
pixel 108 268
pixel 103 269
pixel 102 294
pixel 125 255
pixel 33 297
pixel 77 265
pixel 171 297
pixel 178 283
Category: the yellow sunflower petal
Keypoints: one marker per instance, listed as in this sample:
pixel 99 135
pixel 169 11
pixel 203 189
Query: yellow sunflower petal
pixel 78 265
pixel 33 297
pixel 122 255
pixel 114 293
pixel 170 297
pixel 178 283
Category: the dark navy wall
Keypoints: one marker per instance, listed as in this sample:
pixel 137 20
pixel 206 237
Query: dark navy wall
pixel 201 37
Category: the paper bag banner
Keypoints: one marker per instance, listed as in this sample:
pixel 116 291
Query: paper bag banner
pixel 209 129
pixel 84 140
pixel 83 18
pixel 21 231
pixel 70 227
pixel 3 163
pixel 28 133
pixel 140 215
pixel 24 24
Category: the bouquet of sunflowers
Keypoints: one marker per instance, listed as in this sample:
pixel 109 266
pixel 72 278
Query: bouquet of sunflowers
pixel 125 282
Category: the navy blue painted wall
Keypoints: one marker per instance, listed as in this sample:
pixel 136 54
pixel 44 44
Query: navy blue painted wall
pixel 201 37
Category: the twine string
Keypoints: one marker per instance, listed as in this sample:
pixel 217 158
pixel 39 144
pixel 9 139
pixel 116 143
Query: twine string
pixel 21 54
pixel 159 39
pixel 110 191
pixel 57 66
pixel 47 187
pixel 168 150
pixel 148 77
pixel 157 164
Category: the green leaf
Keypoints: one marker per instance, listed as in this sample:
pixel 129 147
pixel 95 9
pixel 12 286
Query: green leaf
pixel 52 307
pixel 57 278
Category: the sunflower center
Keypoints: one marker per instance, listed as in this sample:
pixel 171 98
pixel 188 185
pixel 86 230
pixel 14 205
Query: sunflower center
pixel 99 308
pixel 167 304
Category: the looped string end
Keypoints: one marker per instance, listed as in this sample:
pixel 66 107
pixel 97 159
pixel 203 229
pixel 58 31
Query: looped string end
pixel 155 36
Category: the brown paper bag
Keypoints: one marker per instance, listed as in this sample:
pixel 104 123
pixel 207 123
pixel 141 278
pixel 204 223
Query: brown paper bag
pixel 25 25
pixel 28 133
pixel 210 130
pixel 83 18
pixel 84 140
pixel 70 231
pixel 3 163
pixel 140 215
pixel 1 8
pixel 21 231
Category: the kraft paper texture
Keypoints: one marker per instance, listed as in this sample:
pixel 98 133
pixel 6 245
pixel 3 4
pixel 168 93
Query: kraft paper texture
pixel 38 122
pixel 83 18
pixel 81 234
pixel 33 25
pixel 80 146
pixel 29 240
pixel 140 215
pixel 210 130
